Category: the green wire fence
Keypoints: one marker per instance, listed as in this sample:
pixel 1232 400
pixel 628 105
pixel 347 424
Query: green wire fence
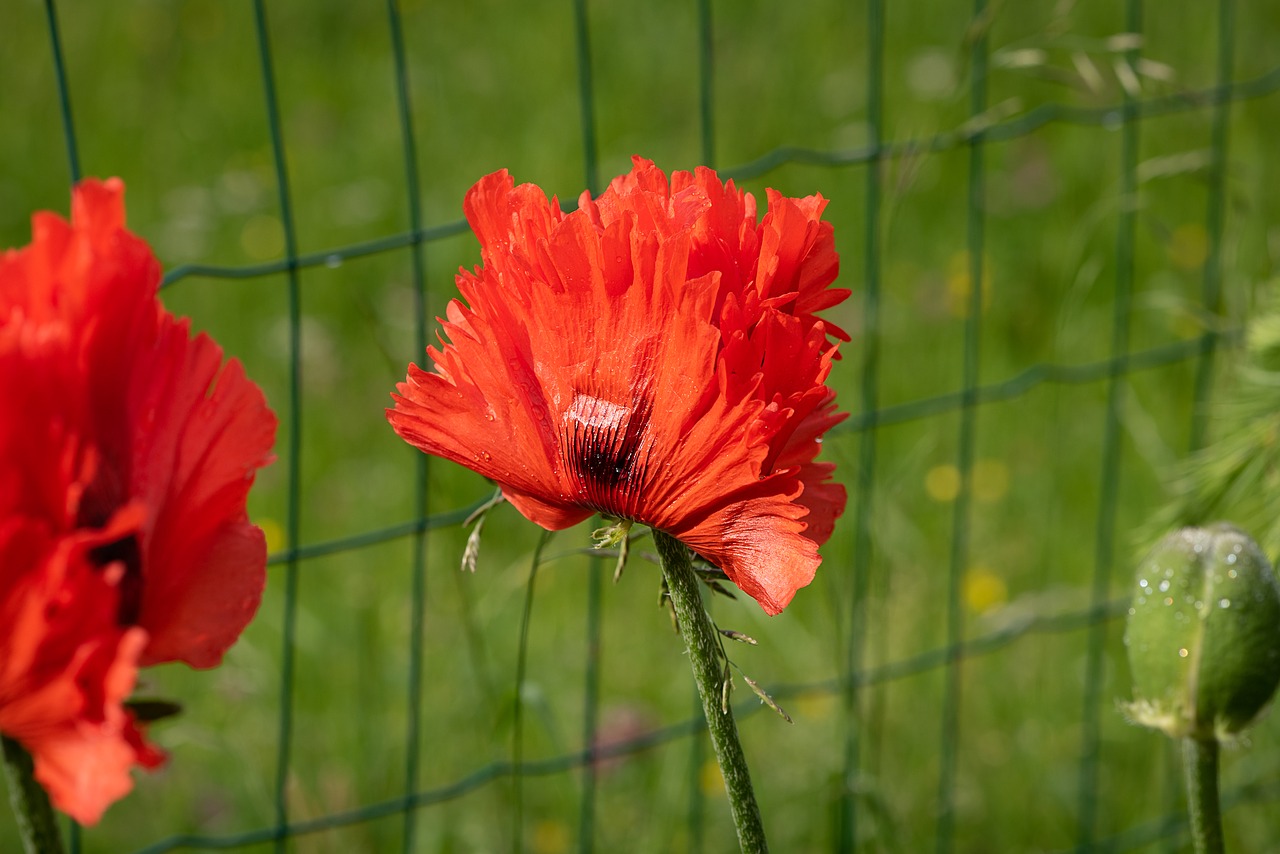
pixel 861 664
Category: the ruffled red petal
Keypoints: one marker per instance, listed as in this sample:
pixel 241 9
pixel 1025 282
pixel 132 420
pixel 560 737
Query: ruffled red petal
pixel 66 665
pixel 201 430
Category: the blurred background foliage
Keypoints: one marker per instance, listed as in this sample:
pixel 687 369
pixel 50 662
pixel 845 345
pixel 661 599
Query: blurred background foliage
pixel 170 96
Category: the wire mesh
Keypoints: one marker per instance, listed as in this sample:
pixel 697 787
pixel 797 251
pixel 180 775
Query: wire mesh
pixel 856 670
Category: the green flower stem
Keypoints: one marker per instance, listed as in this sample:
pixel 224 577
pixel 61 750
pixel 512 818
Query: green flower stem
pixel 37 823
pixel 704 652
pixel 1200 764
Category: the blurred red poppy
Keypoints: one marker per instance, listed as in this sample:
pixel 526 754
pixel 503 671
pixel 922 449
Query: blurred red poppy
pixel 654 356
pixel 128 447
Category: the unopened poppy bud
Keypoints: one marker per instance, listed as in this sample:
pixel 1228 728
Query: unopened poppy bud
pixel 1203 634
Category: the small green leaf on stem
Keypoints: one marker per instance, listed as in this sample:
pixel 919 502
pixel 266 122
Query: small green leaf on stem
pixel 726 688
pixel 496 499
pixel 612 535
pixel 717 587
pixel 766 699
pixel 149 711
pixel 664 601
pixel 471 552
pixel 624 548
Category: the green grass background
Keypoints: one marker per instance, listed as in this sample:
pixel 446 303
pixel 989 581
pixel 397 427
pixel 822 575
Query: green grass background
pixel 169 96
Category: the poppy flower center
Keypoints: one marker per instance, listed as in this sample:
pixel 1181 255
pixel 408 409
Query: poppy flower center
pixel 605 451
pixel 99 503
pixel 126 552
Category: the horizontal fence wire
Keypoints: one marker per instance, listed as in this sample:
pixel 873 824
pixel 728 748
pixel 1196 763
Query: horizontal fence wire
pixel 995 130
pixel 985 126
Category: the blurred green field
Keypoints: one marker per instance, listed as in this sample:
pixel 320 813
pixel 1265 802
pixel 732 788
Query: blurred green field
pixel 170 97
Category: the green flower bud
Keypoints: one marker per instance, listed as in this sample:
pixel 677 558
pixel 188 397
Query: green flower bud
pixel 1203 634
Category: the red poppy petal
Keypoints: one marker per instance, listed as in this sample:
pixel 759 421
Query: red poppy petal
pixel 825 501
pixel 553 517
pixel 66 666
pixel 760 543
pixel 798 260
pixel 84 764
pixel 201 430
pixel 84 769
pixel 76 273
pixel 453 413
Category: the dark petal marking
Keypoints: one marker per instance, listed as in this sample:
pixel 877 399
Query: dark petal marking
pixel 126 551
pixel 605 454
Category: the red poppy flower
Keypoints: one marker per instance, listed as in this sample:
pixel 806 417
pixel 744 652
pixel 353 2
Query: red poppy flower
pixel 127 449
pixel 654 356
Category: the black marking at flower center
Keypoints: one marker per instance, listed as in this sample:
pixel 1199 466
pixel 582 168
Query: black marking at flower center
pixel 606 453
pixel 125 551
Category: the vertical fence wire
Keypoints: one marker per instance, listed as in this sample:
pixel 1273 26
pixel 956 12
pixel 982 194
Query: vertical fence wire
pixel 590 710
pixel 1109 476
pixel 851 785
pixel 517 712
pixel 586 94
pixel 707 145
pixel 1215 215
pixel 975 239
pixel 418 560
pixel 706 84
pixel 591 676
pixel 293 497
pixel 64 92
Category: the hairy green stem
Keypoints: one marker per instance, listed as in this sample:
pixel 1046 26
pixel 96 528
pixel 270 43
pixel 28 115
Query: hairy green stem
pixel 705 655
pixel 37 824
pixel 1200 764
